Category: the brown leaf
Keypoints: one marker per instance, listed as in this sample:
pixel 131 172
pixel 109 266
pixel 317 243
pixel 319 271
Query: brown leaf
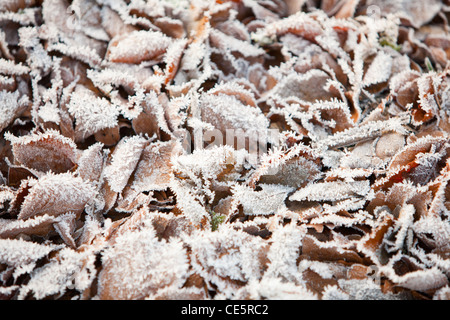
pixel 108 136
pixel 38 226
pixel 312 249
pixel 373 240
pixel 54 195
pixel 348 9
pixel 154 170
pixel 48 151
pixel 137 46
pixel 91 162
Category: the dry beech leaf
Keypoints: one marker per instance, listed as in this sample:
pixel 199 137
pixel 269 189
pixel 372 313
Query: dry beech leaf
pixel 56 194
pixel 151 120
pixel 410 152
pixel 48 151
pixel 130 169
pixel 389 144
pixel 137 46
pixel 65 226
pixel 372 240
pixel 41 225
pixel 113 24
pixel 348 9
pixel 415 12
pixel 225 111
pixel 154 170
pixel 91 113
pixel 16 5
pixel 331 191
pixel 12 104
pixel 123 162
pixel 165 262
pixel 108 136
pixel 230 249
pixel 91 162
pixel 173 58
pixel 18 173
pixel 236 90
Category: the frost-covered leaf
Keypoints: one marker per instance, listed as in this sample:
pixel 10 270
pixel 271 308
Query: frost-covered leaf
pixel 331 191
pixel 389 144
pixel 340 249
pixel 310 86
pixel 266 201
pixel 294 166
pixel 284 251
pixel 421 280
pixel 365 289
pixel 275 289
pixel 130 77
pixel 55 194
pixel 153 172
pixel 6 195
pixel 12 104
pixel 226 257
pixel 160 264
pixel 123 162
pixel 227 112
pixel 438 228
pixel 65 226
pixel 294 173
pixel 74 270
pixel 10 68
pixel 379 70
pixel 225 42
pixel 40 225
pixel 137 46
pixel 221 162
pixel 299 24
pixel 416 12
pixel 91 162
pixel 16 253
pixel 365 132
pixel 91 113
pixel 44 151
